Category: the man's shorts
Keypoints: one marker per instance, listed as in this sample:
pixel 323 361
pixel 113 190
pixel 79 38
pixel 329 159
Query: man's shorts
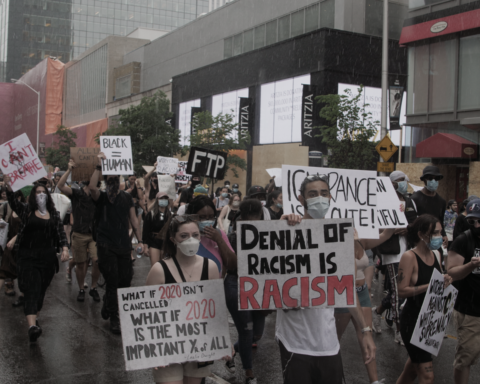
pixel 468 347
pixel 80 244
pixel 176 372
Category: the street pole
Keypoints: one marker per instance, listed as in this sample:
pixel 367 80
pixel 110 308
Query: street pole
pixel 383 122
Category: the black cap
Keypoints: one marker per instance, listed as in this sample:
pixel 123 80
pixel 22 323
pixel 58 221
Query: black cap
pixel 431 170
pixel 473 209
pixel 235 186
pixel 256 190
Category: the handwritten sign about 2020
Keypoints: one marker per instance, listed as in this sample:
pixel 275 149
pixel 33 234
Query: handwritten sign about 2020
pixel 19 160
pixel 436 312
pixel 311 264
pixel 118 152
pixel 173 323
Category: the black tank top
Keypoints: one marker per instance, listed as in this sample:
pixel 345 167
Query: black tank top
pixel 414 304
pixel 169 279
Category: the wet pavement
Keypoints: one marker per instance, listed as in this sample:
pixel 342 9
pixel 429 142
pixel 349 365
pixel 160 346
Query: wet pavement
pixel 76 346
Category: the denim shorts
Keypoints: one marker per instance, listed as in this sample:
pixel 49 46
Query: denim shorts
pixel 363 296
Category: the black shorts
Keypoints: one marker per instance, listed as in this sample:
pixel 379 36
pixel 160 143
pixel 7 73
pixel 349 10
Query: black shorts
pixel 417 355
pixel 155 243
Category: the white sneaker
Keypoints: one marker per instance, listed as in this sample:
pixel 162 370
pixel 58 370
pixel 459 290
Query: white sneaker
pixel 398 338
pixel 376 321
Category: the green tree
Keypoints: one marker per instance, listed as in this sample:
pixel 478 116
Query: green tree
pixel 348 130
pixel 59 154
pixel 147 126
pixel 220 133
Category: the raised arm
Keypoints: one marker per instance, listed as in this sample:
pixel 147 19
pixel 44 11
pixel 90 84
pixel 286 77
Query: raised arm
pixel 61 183
pixel 147 177
pixel 372 243
pixel 221 217
pixel 17 206
pixel 94 192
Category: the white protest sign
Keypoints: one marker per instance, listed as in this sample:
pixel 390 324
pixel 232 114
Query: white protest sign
pixel 62 204
pixel 436 312
pixel 277 172
pixel 3 234
pixel 309 265
pixel 167 165
pixel 390 211
pixel 166 184
pixel 19 160
pixel 173 323
pixel 118 150
pixel 182 176
pixel 353 195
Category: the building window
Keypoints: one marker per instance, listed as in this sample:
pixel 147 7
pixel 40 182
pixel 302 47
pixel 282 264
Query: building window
pixel 298 19
pixel 185 119
pixel 422 3
pixel 123 86
pixel 237 44
pixel 284 28
pixel 228 48
pixel 260 36
pixel 374 18
pixel 248 40
pixel 469 73
pixel 418 62
pixel 311 18
pixel 271 36
pixel 327 14
pixel 442 76
pixel 228 103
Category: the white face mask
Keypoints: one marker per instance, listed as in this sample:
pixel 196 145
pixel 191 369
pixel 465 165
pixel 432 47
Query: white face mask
pixel 42 203
pixel 189 247
pixel 317 207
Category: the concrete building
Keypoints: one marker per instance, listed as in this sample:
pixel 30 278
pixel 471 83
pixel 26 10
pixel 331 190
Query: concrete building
pixel 443 110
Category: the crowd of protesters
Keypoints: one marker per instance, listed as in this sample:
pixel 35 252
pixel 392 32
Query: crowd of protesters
pixel 193 237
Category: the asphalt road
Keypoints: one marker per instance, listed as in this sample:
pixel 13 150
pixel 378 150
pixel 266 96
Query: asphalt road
pixel 77 347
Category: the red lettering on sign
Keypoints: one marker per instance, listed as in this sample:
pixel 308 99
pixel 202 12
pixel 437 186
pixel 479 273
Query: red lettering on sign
pixel 29 146
pixel 246 296
pixel 4 163
pixel 270 290
pixel 34 162
pixel 334 284
pixel 304 284
pixel 11 149
pixel 321 299
pixel 287 300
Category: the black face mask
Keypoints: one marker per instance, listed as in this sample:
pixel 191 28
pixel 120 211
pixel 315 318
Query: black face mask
pixel 195 183
pixel 475 231
pixel 113 185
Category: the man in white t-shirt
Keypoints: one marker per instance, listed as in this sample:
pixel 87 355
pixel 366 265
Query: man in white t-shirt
pixel 391 260
pixel 309 346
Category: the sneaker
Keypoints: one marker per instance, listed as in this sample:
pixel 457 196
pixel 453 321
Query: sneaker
pixel 376 321
pixel 68 276
pixel 34 333
pixel 20 302
pixel 115 325
pixel 230 365
pixel 398 338
pixel 251 380
pixel 104 312
pixel 81 295
pixel 93 292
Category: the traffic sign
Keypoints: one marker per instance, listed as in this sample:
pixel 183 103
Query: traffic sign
pixel 386 148
pixel 385 167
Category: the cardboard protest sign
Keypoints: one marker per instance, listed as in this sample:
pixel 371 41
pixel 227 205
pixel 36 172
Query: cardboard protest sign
pixel 85 162
pixel 118 150
pixel 167 165
pixel 309 265
pixel 19 160
pixel 353 195
pixel 3 234
pixel 390 211
pixel 182 177
pixel 173 323
pixel 207 163
pixel 436 312
pixel 166 183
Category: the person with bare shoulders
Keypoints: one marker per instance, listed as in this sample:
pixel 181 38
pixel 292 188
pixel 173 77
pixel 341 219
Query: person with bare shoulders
pixel 414 275
pixel 182 264
pixel 151 187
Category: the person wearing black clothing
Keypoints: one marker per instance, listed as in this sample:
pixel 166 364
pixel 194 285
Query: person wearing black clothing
pixel 187 194
pixel 428 201
pixel 83 245
pixel 275 204
pixel 414 275
pixel 151 187
pixel 461 224
pixel 153 224
pixel 114 211
pixel 182 263
pixel 133 187
pixel 41 235
pixel 464 265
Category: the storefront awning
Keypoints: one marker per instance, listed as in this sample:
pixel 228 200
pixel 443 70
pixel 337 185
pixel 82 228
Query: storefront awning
pixel 440 26
pixel 447 145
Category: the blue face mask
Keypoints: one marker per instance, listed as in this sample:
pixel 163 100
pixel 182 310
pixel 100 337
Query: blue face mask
pixel 279 205
pixel 235 190
pixel 162 203
pixel 203 224
pixel 224 194
pixel 432 185
pixel 402 187
pixel 435 243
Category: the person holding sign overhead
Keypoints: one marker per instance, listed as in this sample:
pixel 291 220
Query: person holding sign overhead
pixel 41 235
pixel 151 187
pixel 414 274
pixel 182 263
pixel 309 346
pixel 114 211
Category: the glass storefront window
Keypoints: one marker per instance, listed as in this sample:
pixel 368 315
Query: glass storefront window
pixel 442 76
pixel 469 73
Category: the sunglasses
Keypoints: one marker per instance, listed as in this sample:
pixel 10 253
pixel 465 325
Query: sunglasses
pixel 473 221
pixel 317 177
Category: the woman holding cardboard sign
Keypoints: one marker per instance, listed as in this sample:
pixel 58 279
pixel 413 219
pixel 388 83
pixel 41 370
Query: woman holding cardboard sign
pixel 41 235
pixel 414 274
pixel 182 263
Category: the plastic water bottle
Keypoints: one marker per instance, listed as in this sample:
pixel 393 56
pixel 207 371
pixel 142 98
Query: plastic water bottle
pixel 139 252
